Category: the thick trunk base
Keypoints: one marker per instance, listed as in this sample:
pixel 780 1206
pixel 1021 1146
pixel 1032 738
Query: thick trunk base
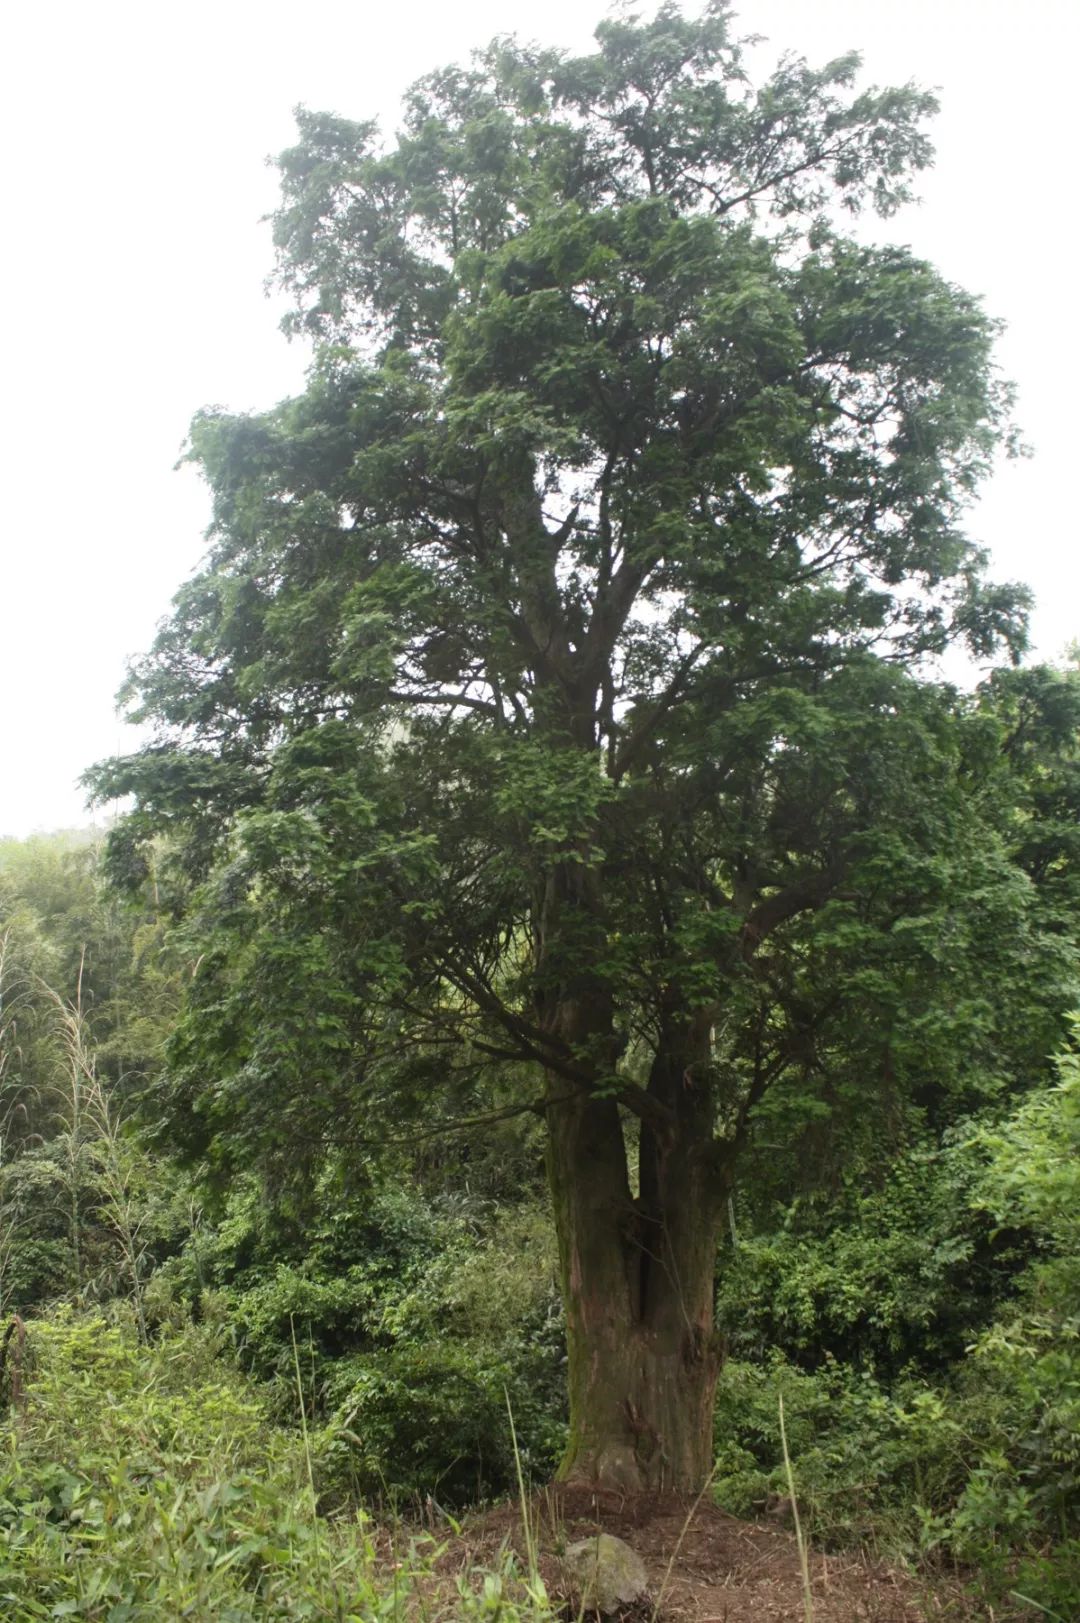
pixel 637 1266
pixel 642 1419
pixel 637 1275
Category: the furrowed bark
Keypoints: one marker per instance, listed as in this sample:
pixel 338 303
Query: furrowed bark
pixel 637 1276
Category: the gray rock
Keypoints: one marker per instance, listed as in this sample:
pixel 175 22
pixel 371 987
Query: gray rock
pixel 607 1572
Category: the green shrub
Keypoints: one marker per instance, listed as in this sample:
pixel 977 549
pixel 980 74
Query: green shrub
pixel 480 1326
pixel 139 1484
pixel 891 1276
pixel 414 1321
pixel 419 1420
pixel 869 1461
pixel 979 1471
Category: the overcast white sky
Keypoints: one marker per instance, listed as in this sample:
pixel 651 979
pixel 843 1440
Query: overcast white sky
pixel 133 261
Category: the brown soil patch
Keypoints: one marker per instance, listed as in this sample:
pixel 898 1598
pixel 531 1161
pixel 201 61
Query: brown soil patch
pixel 704 1566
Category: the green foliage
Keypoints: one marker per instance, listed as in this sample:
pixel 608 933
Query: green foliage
pixel 1030 1358
pixel 586 567
pixel 918 1472
pixel 930 1366
pixel 889 1277
pixel 142 1484
pixel 415 1319
pixel 88 988
pixel 866 1458
pixel 92 948
pixel 425 1419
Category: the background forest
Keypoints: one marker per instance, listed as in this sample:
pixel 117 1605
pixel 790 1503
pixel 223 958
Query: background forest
pixel 570 988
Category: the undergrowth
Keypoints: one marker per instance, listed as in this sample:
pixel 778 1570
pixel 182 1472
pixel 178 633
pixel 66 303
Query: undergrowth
pixel 146 1483
pixel 944 1481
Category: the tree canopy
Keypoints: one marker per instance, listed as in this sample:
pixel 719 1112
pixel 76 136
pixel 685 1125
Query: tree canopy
pixel 546 709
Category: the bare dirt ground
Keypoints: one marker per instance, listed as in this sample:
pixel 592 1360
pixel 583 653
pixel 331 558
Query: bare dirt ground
pixel 704 1566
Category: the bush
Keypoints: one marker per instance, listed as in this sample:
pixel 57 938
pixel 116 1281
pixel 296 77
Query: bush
pixel 478 1330
pixel 142 1485
pixel 421 1420
pixel 870 1462
pixel 413 1321
pixel 891 1276
pixel 980 1468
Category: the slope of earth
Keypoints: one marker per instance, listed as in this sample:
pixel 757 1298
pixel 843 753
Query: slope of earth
pixel 704 1566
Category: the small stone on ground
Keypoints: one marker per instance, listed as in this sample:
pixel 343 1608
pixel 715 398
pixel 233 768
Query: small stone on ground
pixel 607 1574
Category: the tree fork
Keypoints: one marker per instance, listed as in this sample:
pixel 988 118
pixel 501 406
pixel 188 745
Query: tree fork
pixel 638 1285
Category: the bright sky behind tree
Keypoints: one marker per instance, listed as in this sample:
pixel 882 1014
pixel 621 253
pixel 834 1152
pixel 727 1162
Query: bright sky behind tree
pixel 134 262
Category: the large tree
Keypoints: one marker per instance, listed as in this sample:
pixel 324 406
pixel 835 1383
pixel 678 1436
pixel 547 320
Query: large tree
pixel 548 669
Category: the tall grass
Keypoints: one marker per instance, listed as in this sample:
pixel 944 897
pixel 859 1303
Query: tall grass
pixel 804 1558
pixel 146 1482
pixel 94 1140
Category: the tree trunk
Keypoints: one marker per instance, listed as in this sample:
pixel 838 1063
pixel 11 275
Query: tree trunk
pixel 637 1275
pixel 637 1268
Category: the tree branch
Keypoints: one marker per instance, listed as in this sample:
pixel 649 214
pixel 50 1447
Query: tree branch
pixel 802 897
pixel 465 700
pixel 656 711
